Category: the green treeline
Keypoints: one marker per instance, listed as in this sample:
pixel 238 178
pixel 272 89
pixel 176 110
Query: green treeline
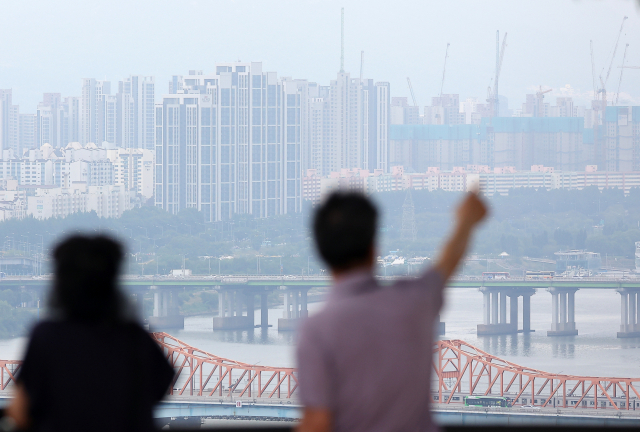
pixel 524 223
pixel 527 222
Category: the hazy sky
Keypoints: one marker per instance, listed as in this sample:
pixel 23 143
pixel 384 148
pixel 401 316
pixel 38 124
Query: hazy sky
pixel 48 46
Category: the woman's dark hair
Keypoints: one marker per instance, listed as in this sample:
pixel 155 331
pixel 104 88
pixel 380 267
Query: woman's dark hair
pixel 345 229
pixel 85 281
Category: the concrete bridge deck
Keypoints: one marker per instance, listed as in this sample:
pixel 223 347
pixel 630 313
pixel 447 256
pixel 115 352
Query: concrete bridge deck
pixel 501 298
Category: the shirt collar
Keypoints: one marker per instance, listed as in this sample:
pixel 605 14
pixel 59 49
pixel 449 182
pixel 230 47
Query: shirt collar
pixel 353 283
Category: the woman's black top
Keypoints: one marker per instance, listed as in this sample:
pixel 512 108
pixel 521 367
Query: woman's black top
pixel 87 376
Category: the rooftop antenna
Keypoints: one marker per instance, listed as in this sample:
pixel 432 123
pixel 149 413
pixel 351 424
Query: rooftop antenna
pixel 342 44
pixel 361 64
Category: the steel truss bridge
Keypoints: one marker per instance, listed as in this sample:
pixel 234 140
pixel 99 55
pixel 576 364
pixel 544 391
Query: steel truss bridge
pixel 460 370
pixel 464 370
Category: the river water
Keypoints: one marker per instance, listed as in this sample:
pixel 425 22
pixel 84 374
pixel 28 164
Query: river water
pixel 594 352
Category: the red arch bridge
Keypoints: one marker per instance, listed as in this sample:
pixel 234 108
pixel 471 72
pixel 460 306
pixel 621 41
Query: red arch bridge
pixel 460 370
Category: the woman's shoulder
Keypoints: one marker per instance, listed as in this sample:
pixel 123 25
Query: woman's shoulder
pixel 55 329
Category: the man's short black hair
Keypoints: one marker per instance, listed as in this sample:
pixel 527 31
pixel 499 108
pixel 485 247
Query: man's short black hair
pixel 345 229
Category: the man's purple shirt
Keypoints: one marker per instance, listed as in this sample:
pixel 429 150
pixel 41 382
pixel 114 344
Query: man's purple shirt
pixel 367 355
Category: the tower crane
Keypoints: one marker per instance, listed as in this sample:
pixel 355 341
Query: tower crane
pixel 499 58
pixel 446 54
pixel 413 96
pixel 539 100
pixel 621 70
pixel 603 82
pixel 615 48
pixel 593 73
pixel 600 98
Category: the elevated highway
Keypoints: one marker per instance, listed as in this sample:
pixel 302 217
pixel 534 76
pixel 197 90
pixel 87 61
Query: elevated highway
pixel 501 297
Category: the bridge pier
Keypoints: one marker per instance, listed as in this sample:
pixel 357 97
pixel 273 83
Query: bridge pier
pixel 295 308
pixel 495 320
pixel 563 317
pixel 629 319
pixel 231 302
pixel 165 311
pixel 440 326
pixel 264 310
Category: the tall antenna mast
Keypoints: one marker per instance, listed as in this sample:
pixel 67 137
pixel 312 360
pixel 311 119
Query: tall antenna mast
pixel 361 64
pixel 342 44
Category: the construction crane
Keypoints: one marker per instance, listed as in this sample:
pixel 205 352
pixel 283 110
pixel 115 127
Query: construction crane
pixel 599 104
pixel 540 101
pixel 499 58
pixel 624 57
pixel 361 64
pixel 593 73
pixel 629 67
pixel 413 96
pixel 446 54
pixel 615 49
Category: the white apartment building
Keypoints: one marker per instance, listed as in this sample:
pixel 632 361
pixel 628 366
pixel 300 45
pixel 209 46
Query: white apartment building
pixel 106 201
pixel 27 131
pixel 9 115
pixel 133 169
pixel 231 142
pixel 497 181
pixel 348 125
pixel 136 115
pixel 13 202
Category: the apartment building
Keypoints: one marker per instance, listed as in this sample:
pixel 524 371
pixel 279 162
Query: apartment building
pixel 106 201
pixel 503 141
pixel 621 141
pixel 490 182
pixel 348 125
pixel 231 142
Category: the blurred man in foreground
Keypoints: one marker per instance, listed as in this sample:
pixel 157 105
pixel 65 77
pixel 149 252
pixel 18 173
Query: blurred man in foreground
pixel 364 361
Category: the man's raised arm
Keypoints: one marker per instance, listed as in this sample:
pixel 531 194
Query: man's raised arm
pixel 470 212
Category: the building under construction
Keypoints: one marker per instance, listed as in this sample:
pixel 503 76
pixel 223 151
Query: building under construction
pixel 521 142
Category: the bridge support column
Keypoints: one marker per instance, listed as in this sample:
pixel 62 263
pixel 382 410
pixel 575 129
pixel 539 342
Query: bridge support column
pixel 295 308
pixel 503 307
pixel 234 318
pixel 304 312
pixel 526 313
pixel 250 298
pixel 165 311
pixel 629 308
pixel 140 305
pixel 264 310
pixel 562 312
pixel 441 326
pixel 513 308
pixel 495 318
pixel 486 312
pixel 220 302
pixel 495 313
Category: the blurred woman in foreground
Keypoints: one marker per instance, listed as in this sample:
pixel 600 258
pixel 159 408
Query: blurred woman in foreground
pixel 90 366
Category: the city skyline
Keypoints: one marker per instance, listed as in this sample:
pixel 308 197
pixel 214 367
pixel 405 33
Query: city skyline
pixel 411 44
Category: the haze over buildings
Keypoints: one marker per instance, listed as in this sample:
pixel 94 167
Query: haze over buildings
pixel 241 137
